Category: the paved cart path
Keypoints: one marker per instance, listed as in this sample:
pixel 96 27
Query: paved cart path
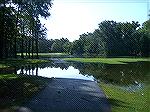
pixel 70 95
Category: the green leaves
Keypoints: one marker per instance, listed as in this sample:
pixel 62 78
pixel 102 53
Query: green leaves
pixel 115 39
pixel 20 25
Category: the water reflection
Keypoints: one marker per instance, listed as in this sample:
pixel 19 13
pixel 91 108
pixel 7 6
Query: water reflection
pixel 132 76
pixel 58 70
pixel 132 73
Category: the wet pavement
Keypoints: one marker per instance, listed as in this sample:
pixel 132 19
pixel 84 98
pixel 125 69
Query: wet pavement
pixel 69 95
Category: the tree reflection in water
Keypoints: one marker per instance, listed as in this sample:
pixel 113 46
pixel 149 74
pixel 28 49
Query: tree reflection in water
pixel 131 75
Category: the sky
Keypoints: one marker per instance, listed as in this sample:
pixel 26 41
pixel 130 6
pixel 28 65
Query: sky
pixel 71 18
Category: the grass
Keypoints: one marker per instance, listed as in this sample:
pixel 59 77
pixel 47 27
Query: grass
pixel 3 66
pixel 17 89
pixel 126 101
pixel 107 60
pixel 40 54
pixel 47 55
pixel 10 62
pixel 52 55
pixel 7 76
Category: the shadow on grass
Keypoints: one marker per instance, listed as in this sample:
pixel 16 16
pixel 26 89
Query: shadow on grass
pixel 118 103
pixel 9 63
pixel 17 89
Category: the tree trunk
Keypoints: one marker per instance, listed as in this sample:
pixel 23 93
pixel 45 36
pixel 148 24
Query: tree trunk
pixel 15 38
pixel 32 46
pixel 29 46
pixel 22 56
pixel 36 36
pixel 22 40
pixel 37 50
pixel 26 47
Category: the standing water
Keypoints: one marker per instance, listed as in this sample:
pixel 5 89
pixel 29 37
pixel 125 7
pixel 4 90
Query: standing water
pixel 54 70
pixel 131 76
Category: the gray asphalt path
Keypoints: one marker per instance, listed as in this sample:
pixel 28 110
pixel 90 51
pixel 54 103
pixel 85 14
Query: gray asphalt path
pixel 69 95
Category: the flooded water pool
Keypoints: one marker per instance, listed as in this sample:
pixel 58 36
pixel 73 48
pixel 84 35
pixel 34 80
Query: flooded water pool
pixel 56 72
pixel 131 76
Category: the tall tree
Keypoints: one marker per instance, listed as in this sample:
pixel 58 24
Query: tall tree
pixel 21 17
pixel 115 39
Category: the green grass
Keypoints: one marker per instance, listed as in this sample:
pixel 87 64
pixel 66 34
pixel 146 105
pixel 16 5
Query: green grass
pixel 52 55
pixel 47 55
pixel 3 66
pixel 7 76
pixel 40 54
pixel 10 62
pixel 107 60
pixel 126 101
pixel 17 89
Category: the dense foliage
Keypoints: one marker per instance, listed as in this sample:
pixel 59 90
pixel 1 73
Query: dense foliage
pixel 111 39
pixel 115 39
pixel 20 26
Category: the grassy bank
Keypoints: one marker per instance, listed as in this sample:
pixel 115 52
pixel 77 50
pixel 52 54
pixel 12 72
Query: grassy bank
pixel 46 55
pixel 126 101
pixel 52 55
pixel 17 89
pixel 3 66
pixel 107 60
pixel 10 62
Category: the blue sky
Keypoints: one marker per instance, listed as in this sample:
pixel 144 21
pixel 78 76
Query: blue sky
pixel 70 18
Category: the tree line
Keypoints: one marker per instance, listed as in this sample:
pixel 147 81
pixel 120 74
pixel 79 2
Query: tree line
pixel 20 26
pixel 111 39
pixel 115 39
pixel 22 32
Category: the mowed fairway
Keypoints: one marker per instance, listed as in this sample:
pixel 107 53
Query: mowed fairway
pixel 126 101
pixel 108 60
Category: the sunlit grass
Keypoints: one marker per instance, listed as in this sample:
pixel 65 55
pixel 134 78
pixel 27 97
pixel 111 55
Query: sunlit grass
pixel 107 60
pixel 10 62
pixel 53 53
pixel 3 66
pixel 8 76
pixel 126 101
pixel 45 55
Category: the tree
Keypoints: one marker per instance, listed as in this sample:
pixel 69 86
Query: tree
pixel 60 45
pixel 7 30
pixel 67 47
pixel 115 39
pixel 21 17
pixel 145 38
pixel 57 47
pixel 77 47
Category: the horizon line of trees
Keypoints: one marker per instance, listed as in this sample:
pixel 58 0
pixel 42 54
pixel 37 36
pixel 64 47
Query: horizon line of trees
pixel 22 32
pixel 113 39
pixel 20 26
